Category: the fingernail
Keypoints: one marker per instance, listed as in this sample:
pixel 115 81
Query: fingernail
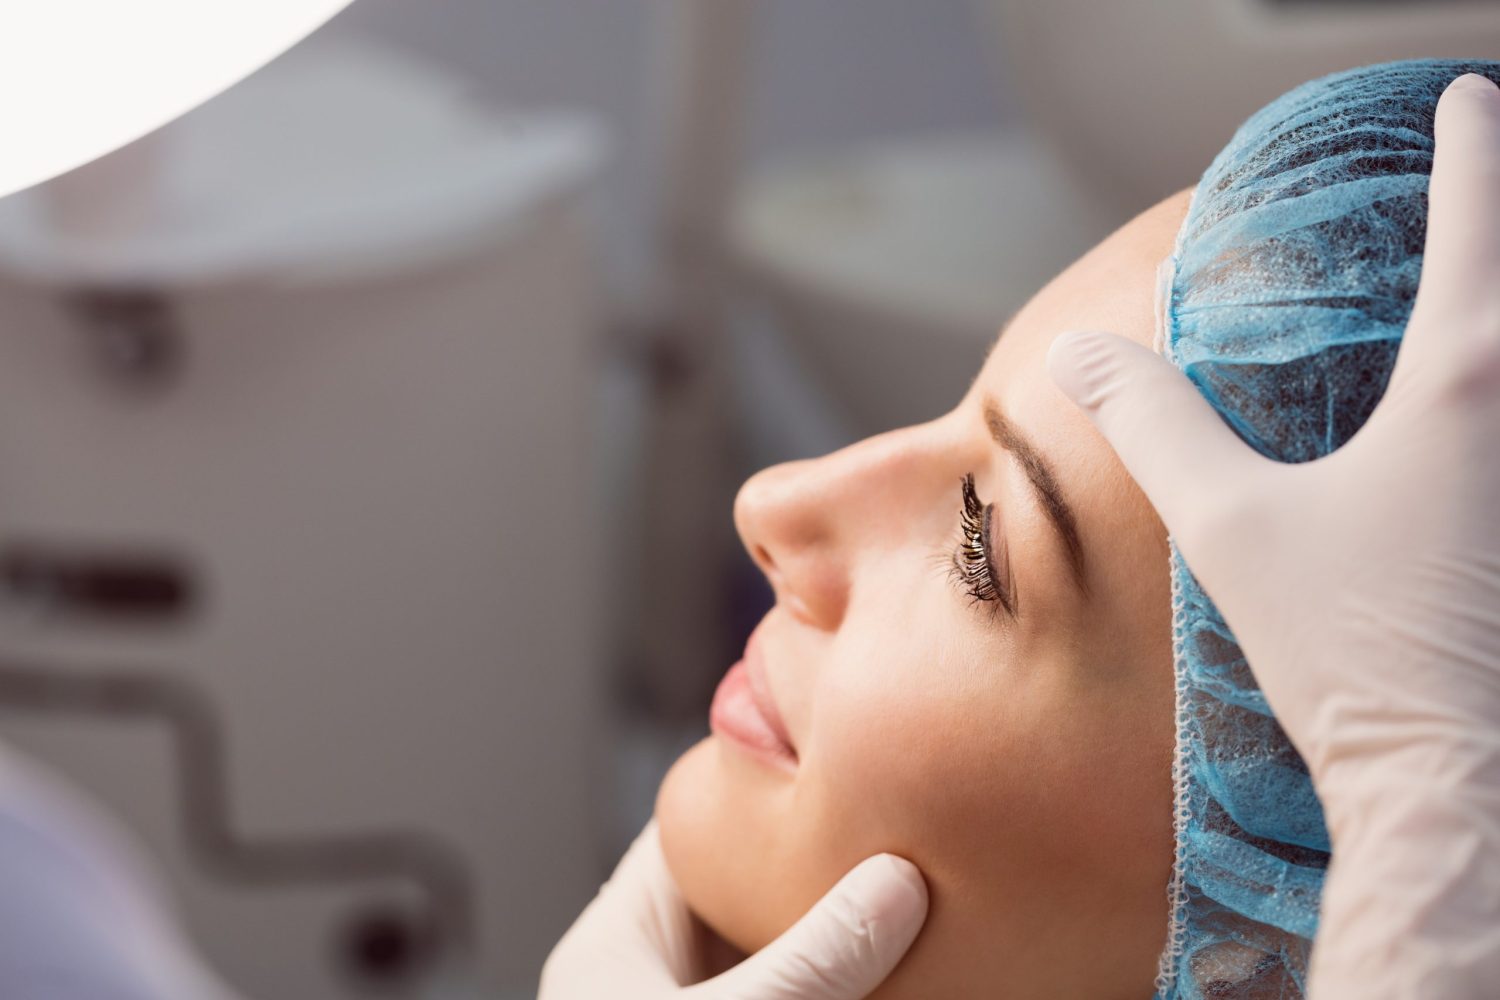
pixel 908 873
pixel 890 889
pixel 871 882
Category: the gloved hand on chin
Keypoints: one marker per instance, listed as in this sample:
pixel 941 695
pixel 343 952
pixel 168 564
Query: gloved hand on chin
pixel 638 941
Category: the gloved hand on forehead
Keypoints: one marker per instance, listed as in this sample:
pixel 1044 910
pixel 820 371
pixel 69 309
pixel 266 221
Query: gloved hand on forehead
pixel 638 941
pixel 1364 588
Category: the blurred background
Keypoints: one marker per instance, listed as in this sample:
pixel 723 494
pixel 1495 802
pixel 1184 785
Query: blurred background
pixel 368 436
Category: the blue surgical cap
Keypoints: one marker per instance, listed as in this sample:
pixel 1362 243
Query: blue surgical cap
pixel 1284 301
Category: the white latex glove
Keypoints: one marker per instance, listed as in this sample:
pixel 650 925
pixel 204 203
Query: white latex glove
pixel 637 940
pixel 1364 589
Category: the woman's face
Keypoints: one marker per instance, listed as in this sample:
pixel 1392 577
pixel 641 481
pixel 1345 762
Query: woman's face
pixel 989 695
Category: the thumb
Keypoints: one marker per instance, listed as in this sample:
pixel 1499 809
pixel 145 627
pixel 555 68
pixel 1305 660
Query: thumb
pixel 1175 445
pixel 1463 246
pixel 843 947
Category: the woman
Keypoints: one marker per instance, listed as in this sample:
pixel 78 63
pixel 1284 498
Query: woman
pixel 971 658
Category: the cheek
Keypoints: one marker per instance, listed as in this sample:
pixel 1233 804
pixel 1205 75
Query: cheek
pixel 954 761
pixel 1036 804
pixel 1033 808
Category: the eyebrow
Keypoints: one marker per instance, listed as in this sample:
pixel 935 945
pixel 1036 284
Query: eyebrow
pixel 1043 483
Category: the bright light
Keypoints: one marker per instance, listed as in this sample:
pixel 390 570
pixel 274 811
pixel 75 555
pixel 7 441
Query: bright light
pixel 79 78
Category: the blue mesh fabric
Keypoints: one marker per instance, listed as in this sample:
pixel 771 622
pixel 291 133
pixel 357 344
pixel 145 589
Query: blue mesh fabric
pixel 1284 302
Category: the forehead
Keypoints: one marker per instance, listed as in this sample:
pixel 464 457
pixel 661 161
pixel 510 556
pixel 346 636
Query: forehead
pixel 1111 288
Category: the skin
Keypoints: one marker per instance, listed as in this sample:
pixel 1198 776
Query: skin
pixel 1022 762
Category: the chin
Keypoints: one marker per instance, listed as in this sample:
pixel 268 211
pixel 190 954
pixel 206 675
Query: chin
pixel 714 851
pixel 679 808
pixel 687 804
pixel 717 851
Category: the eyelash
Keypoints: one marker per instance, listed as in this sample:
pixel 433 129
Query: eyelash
pixel 973 568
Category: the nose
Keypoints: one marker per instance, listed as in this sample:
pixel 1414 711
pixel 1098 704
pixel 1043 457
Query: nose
pixel 806 523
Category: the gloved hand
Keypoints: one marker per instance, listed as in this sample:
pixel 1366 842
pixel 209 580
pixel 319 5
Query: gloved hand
pixel 1364 589
pixel 637 940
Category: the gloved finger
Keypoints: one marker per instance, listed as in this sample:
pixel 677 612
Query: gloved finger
pixel 1453 338
pixel 843 947
pixel 1188 462
pixel 1462 257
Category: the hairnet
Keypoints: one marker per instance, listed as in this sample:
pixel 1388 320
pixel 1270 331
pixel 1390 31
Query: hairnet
pixel 1284 301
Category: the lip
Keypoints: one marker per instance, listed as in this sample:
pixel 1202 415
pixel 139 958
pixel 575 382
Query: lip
pixel 744 712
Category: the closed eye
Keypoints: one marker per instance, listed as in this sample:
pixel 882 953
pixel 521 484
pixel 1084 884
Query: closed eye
pixel 983 577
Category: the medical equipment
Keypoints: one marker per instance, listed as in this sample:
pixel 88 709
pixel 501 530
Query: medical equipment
pixel 286 391
pixel 432 938
pixel 1285 301
pixel 101 92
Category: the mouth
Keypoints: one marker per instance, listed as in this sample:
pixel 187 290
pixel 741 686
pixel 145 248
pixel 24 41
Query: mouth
pixel 745 714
